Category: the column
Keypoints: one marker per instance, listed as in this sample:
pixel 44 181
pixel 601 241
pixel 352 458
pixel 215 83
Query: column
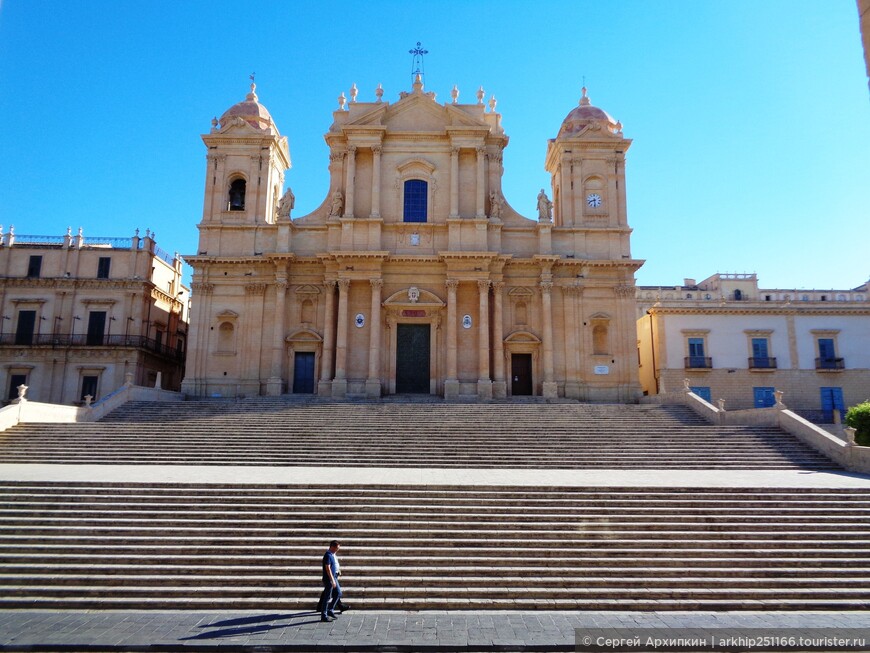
pixel 550 387
pixel 339 385
pixel 351 173
pixel 274 386
pixel 373 383
pixel 481 185
pixel 572 381
pixel 451 383
pixel 376 181
pixel 499 386
pixel 484 383
pixel 324 387
pixel 454 182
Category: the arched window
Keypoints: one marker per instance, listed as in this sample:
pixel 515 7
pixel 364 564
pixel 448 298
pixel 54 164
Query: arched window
pixel 236 200
pixel 416 199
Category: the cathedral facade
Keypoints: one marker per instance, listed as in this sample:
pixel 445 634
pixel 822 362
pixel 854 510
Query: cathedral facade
pixel 414 275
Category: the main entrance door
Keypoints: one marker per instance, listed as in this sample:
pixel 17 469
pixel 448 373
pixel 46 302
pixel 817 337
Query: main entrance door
pixel 303 372
pixel 521 374
pixel 412 358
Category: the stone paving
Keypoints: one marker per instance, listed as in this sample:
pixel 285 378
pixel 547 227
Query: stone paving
pixel 43 630
pixel 433 476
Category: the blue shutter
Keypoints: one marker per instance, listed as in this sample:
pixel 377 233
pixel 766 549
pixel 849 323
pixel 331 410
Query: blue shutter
pixel 826 349
pixel 764 397
pixel 703 392
pixel 832 399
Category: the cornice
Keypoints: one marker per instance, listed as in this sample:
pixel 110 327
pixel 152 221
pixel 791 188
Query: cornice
pixel 64 283
pixel 717 309
pixel 205 258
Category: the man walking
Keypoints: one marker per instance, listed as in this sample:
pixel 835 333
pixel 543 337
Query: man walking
pixel 331 587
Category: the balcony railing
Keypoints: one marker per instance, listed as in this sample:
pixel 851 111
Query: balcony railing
pixel 830 364
pixel 85 340
pixel 698 362
pixel 760 363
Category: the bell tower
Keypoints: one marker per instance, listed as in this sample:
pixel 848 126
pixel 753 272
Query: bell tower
pixel 586 162
pixel 246 161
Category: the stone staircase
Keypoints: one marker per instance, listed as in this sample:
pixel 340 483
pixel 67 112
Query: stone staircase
pixel 278 432
pixel 180 547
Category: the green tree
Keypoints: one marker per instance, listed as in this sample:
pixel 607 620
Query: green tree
pixel 858 417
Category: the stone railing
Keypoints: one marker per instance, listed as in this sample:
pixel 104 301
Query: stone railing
pixel 24 410
pixel 842 451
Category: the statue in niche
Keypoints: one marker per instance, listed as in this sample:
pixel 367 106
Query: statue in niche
pixel 495 204
pixel 545 207
pixel 286 203
pixel 337 203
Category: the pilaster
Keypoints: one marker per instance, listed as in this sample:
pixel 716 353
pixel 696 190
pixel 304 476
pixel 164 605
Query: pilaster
pixel 484 383
pixel 339 384
pixel 324 387
pixel 451 383
pixel 499 385
pixel 373 382
pixel 550 388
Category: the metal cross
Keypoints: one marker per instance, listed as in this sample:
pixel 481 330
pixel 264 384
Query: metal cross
pixel 417 61
pixel 251 77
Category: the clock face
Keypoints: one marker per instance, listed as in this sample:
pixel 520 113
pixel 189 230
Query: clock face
pixel 593 200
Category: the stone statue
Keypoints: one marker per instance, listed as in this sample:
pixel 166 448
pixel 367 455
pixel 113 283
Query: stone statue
pixel 286 203
pixel 495 204
pixel 545 207
pixel 337 203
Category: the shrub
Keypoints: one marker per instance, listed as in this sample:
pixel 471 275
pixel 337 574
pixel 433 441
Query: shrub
pixel 858 417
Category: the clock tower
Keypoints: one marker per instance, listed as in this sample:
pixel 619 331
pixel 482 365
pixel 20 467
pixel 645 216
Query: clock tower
pixel 586 162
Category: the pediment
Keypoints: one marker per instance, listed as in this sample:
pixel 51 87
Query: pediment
pixel 238 126
pixel 416 114
pixel 526 337
pixel 228 314
pixel 307 289
pixel 404 298
pixel 304 335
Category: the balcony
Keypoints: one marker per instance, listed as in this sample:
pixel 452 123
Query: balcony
pixel 830 364
pixel 83 340
pixel 762 363
pixel 698 363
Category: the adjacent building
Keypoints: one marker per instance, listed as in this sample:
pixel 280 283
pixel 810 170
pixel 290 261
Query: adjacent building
pixel 738 342
pixel 414 275
pixel 77 314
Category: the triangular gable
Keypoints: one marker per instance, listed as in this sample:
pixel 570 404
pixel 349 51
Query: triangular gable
pixel 404 298
pixel 526 337
pixel 416 113
pixel 304 335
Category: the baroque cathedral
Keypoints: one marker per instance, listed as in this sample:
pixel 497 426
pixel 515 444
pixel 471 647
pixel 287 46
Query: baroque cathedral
pixel 414 275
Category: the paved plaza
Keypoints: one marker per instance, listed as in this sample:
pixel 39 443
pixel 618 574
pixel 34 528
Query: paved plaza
pixel 43 630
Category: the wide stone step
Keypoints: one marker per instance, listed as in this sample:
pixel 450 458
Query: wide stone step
pixel 30 573
pixel 385 584
pixel 362 530
pixel 285 432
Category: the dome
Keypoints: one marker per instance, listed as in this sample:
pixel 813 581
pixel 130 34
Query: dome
pixel 585 115
pixel 252 112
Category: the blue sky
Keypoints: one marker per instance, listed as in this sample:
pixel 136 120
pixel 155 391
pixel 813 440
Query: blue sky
pixel 749 117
